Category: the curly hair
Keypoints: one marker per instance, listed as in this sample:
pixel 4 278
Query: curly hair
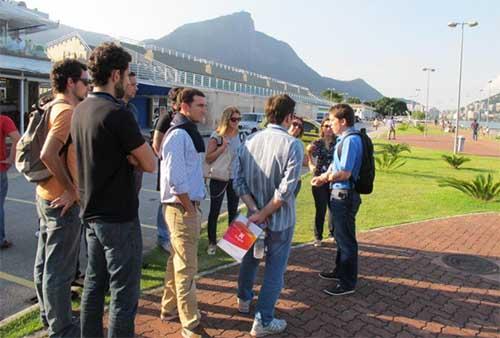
pixel 64 70
pixel 106 58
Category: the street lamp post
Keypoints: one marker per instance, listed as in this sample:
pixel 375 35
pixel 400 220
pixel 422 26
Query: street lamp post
pixel 453 25
pixel 429 71
pixel 488 106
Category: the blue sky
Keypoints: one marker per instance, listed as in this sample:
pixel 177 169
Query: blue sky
pixel 384 42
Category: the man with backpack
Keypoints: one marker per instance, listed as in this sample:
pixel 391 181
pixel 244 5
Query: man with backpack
pixel 57 201
pixel 351 173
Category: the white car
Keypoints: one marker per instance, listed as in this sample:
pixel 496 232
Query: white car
pixel 250 122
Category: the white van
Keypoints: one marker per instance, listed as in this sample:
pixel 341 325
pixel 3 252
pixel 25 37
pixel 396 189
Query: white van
pixel 250 122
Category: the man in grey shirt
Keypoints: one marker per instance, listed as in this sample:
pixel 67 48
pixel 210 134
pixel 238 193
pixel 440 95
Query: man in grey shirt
pixel 267 174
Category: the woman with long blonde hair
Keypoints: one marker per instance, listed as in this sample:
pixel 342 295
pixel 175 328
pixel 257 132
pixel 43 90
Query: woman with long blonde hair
pixel 225 138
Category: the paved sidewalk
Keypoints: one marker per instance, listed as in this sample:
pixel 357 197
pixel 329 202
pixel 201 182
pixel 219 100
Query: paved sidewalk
pixel 403 291
pixel 482 147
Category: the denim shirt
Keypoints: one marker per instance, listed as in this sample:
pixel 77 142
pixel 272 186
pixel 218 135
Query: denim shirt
pixel 268 167
pixel 352 155
pixel 181 168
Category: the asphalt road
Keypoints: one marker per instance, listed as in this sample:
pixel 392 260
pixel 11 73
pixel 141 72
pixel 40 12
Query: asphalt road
pixel 16 263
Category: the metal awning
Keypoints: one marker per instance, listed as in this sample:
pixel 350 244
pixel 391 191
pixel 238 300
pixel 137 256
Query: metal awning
pixel 22 18
pixel 20 64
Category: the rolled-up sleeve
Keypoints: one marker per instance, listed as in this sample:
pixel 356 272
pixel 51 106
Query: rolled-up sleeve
pixel 239 183
pixel 174 153
pixel 291 175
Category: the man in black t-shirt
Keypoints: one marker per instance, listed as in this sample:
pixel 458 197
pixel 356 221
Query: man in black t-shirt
pixel 108 146
pixel 160 128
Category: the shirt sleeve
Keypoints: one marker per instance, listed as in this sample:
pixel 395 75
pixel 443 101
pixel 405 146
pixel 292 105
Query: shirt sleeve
pixel 8 125
pixel 239 183
pixel 174 153
pixel 314 150
pixel 122 123
pixel 61 125
pixel 351 146
pixel 163 123
pixel 291 175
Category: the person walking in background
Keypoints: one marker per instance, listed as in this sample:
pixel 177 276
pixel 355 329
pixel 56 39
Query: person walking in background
pixel 181 191
pixel 7 129
pixel 345 200
pixel 375 124
pixel 57 203
pixel 267 174
pixel 109 145
pixel 391 128
pixel 297 130
pixel 320 155
pixel 160 126
pixel 222 151
pixel 475 129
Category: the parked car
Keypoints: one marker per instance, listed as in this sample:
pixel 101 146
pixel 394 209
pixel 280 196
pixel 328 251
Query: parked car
pixel 311 130
pixel 251 122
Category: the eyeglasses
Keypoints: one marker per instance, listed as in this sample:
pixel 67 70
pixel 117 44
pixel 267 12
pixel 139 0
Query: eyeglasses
pixel 85 81
pixel 297 124
pixel 235 119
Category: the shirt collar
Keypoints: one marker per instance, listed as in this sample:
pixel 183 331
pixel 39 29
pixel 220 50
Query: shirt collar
pixel 277 126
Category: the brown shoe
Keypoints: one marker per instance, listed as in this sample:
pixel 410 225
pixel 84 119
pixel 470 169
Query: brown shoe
pixel 5 244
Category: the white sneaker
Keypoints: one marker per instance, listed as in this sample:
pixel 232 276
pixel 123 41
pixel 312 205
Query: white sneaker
pixel 212 248
pixel 274 327
pixel 318 243
pixel 244 306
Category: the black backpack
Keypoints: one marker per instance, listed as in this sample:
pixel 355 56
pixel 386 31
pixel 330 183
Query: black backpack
pixel 364 183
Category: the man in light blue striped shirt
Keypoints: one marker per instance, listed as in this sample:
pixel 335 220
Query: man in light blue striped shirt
pixel 268 171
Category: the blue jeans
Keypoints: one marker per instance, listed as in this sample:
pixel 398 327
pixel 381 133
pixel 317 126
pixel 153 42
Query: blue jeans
pixel 161 225
pixel 278 245
pixel 114 259
pixel 55 264
pixel 4 186
pixel 344 221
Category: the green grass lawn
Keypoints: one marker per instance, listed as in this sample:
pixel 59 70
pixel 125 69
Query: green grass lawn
pixel 408 194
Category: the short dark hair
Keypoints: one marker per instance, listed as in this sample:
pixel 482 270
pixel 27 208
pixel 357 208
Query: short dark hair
pixel 278 107
pixel 104 59
pixel 64 70
pixel 343 111
pixel 187 95
pixel 173 94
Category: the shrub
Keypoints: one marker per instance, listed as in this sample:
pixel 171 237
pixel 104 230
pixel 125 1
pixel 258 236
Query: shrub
pixel 454 160
pixel 386 161
pixel 403 127
pixel 420 127
pixel 480 188
pixel 394 149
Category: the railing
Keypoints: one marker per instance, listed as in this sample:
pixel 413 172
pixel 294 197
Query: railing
pixel 23 48
pixel 157 72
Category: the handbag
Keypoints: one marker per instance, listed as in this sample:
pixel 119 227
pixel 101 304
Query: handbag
pixel 220 169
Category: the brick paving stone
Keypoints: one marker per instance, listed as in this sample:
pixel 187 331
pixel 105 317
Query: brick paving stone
pixel 402 292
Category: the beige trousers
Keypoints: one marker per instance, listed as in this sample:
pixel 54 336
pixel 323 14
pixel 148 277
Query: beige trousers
pixel 182 266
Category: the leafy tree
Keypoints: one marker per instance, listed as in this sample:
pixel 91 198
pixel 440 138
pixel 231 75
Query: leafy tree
pixel 332 95
pixel 353 100
pixel 389 106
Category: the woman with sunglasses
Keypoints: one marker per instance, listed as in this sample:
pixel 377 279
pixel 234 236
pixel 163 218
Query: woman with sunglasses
pixel 225 138
pixel 297 130
pixel 320 154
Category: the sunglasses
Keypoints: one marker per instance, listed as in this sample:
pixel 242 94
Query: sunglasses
pixel 326 126
pixel 297 124
pixel 85 81
pixel 235 119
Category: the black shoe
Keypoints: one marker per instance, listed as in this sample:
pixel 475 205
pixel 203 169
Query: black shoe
pixel 338 290
pixel 328 275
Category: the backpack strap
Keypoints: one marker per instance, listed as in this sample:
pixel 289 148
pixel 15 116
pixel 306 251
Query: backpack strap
pixel 48 109
pixel 339 151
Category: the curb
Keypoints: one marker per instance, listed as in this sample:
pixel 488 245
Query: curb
pixel 18 315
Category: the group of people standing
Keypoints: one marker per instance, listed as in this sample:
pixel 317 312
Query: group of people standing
pixel 95 153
